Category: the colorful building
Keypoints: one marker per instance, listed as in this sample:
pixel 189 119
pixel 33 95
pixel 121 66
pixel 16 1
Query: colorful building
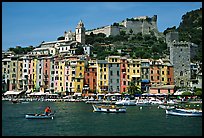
pixel 114 74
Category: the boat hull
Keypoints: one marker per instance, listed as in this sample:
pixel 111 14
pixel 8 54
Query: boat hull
pixel 182 112
pixel 109 109
pixel 39 116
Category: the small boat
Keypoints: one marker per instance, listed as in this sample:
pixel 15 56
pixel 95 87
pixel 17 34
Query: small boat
pixel 125 102
pixel 109 108
pixel 39 116
pixel 184 112
pixel 165 106
pixel 15 101
pixel 142 102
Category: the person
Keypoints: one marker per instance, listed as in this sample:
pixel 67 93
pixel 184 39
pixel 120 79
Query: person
pixel 47 110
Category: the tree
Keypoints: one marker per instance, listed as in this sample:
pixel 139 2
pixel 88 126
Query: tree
pixel 133 89
pixel 60 38
pixel 79 50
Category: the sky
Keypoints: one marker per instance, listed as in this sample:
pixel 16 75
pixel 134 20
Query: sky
pixel 29 23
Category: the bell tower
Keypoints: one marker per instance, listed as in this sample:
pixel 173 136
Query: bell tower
pixel 80 33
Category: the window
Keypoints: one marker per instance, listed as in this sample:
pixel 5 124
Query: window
pixel 80 68
pixel 117 80
pixel 124 82
pixel 162 72
pixel 52 84
pixel 78 80
pixel 118 73
pixel 111 73
pixel 133 71
pixel 181 73
pixel 162 79
pixel 152 78
pixel 104 76
pixel 151 71
pixel 157 77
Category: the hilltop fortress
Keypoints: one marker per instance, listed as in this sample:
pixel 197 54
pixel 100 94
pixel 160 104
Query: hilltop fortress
pixel 143 24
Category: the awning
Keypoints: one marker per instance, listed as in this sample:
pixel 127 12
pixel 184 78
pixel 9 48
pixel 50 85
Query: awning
pixel 28 91
pixel 145 80
pixel 147 94
pixel 52 94
pixel 78 94
pixel 37 93
pixel 12 92
pixel 117 94
pixel 136 76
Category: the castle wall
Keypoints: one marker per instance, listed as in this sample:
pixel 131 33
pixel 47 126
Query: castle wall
pixel 140 25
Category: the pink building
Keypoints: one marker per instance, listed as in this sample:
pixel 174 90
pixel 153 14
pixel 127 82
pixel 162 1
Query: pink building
pixel 123 75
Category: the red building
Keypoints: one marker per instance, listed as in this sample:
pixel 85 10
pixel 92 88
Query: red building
pixel 123 75
pixel 90 82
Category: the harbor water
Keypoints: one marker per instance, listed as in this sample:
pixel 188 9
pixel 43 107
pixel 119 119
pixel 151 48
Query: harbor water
pixel 78 119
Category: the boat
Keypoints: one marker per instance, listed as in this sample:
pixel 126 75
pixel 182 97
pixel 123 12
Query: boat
pixel 108 108
pixel 142 102
pixel 155 101
pixel 184 112
pixel 125 101
pixel 15 101
pixel 39 116
pixel 166 106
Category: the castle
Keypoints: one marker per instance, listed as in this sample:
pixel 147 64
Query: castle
pixel 143 24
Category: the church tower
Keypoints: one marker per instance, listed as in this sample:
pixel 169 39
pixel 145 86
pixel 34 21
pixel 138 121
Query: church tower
pixel 80 33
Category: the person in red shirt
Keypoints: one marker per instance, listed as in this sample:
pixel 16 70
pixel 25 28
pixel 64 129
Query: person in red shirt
pixel 47 110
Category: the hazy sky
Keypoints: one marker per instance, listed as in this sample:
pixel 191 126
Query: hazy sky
pixel 30 23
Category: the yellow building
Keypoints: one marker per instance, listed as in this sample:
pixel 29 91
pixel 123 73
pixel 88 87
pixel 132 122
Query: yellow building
pixel 164 71
pixel 133 71
pixel 13 73
pixel 61 73
pixel 20 74
pixel 79 78
pixel 102 76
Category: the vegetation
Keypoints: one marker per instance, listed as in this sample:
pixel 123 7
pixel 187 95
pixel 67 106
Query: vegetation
pixel 21 50
pixel 190 29
pixel 134 45
pixel 134 89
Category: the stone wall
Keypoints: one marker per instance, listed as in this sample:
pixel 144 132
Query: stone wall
pixel 180 58
pixel 138 25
